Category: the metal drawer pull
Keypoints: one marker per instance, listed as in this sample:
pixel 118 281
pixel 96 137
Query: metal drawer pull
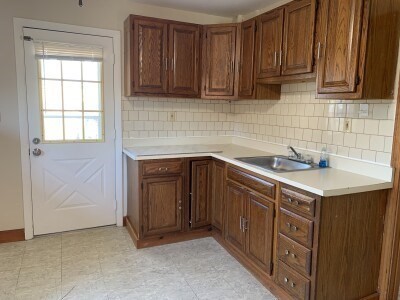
pixel 286 279
pixel 295 202
pixel 291 227
pixel 163 169
pixel 287 252
pixel 292 284
pixel 293 255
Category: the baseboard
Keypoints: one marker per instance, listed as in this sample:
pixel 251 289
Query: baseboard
pixel 9 236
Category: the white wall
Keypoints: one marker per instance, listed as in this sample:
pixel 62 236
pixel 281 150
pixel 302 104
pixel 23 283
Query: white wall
pixel 95 13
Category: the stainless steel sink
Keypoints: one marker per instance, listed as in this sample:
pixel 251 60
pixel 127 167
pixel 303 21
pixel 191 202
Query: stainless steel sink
pixel 279 164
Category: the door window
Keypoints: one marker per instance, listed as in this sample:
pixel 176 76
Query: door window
pixel 71 92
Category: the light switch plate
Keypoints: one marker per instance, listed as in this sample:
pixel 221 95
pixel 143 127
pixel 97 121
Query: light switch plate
pixel 364 110
pixel 172 116
pixel 347 125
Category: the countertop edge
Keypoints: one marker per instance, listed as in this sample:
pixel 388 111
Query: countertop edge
pixel 275 176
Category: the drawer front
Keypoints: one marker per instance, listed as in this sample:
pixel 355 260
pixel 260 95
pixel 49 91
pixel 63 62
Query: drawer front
pixel 295 227
pixel 162 167
pixel 262 186
pixel 294 255
pixel 292 282
pixel 297 202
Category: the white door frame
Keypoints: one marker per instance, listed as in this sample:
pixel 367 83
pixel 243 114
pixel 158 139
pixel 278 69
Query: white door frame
pixel 19 24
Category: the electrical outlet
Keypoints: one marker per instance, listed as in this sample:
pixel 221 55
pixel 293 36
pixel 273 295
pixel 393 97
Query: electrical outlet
pixel 347 125
pixel 172 116
pixel 364 111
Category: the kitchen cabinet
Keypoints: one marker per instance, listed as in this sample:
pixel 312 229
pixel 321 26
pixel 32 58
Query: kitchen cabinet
pixel 357 49
pixel 161 57
pixel 247 59
pixel 250 218
pixel 201 193
pixel 220 57
pixel 218 195
pixel 162 205
pixel 286 43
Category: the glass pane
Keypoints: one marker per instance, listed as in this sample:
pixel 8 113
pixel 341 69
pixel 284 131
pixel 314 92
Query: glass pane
pixel 91 70
pixel 52 69
pixel 71 70
pixel 52 126
pixel 93 126
pixel 51 94
pixel 92 96
pixel 72 95
pixel 73 125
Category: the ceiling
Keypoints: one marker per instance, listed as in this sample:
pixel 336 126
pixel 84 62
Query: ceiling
pixel 225 8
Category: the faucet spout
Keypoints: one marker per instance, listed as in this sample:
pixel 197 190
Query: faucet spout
pixel 298 155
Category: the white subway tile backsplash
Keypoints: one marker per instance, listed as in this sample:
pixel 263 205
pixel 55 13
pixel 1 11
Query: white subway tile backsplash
pixel 297 119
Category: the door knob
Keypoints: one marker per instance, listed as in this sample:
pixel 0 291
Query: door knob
pixel 36 141
pixel 37 152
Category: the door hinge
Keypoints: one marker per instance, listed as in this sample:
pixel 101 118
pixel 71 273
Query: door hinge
pixel 358 80
pixel 28 38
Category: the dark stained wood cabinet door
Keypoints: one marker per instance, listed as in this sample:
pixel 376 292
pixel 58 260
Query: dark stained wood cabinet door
pixel 269 43
pixel 150 40
pixel 235 212
pixel 220 60
pixel 218 189
pixel 162 199
pixel 247 55
pixel 259 231
pixel 339 47
pixel 201 193
pixel 298 39
pixel 184 49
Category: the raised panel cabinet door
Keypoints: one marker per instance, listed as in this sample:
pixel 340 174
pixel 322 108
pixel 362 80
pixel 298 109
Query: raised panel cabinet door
pixel 247 55
pixel 220 60
pixel 339 49
pixel 269 60
pixel 184 48
pixel 235 211
pixel 298 39
pixel 150 60
pixel 201 193
pixel 259 230
pixel 218 189
pixel 162 200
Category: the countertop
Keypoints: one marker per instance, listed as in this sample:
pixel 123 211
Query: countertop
pixel 324 182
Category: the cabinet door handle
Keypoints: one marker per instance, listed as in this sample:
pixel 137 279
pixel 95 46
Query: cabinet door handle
pixel 232 66
pixel 166 64
pixel 172 65
pixel 275 58
pixel 319 50
pixel 241 223
pixel 280 58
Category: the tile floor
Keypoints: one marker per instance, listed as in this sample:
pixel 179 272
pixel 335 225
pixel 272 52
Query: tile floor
pixel 103 263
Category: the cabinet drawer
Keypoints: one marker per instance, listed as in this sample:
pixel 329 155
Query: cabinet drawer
pixel 297 202
pixel 162 167
pixel 292 282
pixel 295 227
pixel 294 255
pixel 262 186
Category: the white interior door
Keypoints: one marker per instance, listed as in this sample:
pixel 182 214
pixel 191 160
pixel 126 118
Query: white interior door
pixel 69 80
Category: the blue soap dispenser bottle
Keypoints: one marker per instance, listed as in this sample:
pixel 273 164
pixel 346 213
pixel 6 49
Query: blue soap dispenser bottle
pixel 323 161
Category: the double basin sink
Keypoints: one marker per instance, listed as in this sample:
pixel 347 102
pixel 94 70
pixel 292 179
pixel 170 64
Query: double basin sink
pixel 278 163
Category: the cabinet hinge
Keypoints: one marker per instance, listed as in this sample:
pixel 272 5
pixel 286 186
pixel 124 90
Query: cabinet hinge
pixel 28 38
pixel 358 80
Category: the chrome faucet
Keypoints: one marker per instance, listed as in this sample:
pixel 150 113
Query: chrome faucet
pixel 298 155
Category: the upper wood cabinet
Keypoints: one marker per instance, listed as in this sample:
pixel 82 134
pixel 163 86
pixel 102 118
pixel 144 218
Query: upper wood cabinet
pixel 358 49
pixel 220 60
pixel 184 46
pixel 285 45
pixel 161 57
pixel 298 38
pixel 270 44
pixel 247 59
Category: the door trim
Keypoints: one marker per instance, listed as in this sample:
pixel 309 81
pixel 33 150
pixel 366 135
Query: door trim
pixel 19 25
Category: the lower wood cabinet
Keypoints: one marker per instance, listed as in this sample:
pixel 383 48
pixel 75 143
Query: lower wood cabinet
pixel 249 225
pixel 298 244
pixel 162 205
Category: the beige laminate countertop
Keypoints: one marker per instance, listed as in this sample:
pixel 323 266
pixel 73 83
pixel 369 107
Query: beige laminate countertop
pixel 324 182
